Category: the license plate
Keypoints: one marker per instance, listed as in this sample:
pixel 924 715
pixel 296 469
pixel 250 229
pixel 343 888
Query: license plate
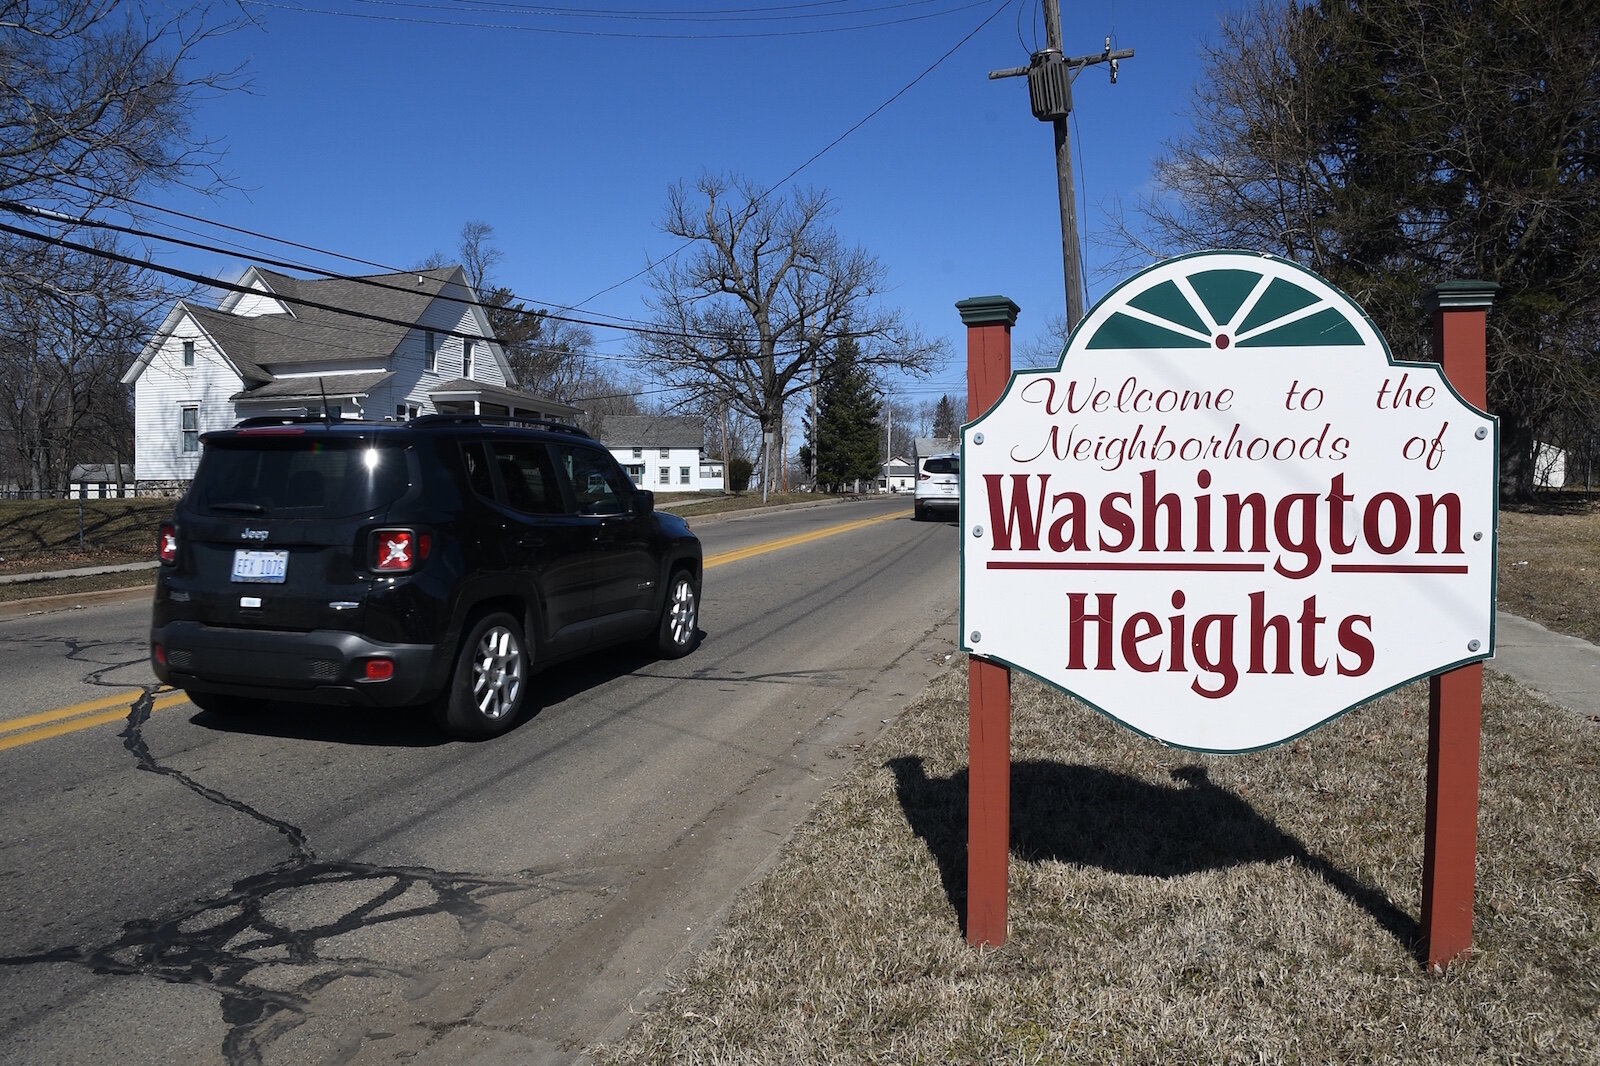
pixel 271 567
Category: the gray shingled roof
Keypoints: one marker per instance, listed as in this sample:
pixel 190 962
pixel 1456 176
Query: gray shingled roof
pixel 237 337
pixel 311 334
pixel 653 431
pixel 315 334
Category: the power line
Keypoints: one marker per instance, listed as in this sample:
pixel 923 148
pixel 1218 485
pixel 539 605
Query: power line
pixel 632 326
pixel 35 212
pixel 831 145
pixel 569 31
pixel 367 316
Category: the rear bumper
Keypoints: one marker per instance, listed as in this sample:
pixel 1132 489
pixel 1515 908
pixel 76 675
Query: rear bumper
pixel 322 666
pixel 939 503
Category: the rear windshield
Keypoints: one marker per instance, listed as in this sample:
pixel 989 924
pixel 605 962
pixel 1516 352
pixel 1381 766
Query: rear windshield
pixel 293 477
pixel 945 464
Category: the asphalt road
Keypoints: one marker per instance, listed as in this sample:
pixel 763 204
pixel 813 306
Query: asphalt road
pixel 347 887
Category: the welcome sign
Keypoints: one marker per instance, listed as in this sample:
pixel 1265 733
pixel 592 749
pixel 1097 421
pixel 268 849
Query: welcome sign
pixel 1228 515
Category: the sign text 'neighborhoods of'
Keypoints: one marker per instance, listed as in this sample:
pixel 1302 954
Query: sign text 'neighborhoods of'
pixel 1229 515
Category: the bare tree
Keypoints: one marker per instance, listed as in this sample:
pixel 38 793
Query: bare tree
pixel 749 313
pixel 479 256
pixel 66 343
pixel 95 102
pixel 1044 350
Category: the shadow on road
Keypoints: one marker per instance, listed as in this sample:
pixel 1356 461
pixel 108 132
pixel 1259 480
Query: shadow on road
pixel 413 727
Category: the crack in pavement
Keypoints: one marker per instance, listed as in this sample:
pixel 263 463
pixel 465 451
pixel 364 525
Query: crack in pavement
pixel 133 740
pixel 273 940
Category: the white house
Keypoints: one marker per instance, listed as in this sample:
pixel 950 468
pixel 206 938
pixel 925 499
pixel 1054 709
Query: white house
pixel 662 452
pixel 377 347
pixel 897 476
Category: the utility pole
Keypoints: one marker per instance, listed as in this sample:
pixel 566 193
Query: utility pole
pixel 1050 77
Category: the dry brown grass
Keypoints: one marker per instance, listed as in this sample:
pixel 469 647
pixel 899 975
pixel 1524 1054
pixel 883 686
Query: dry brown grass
pixel 52 534
pixel 1550 565
pixel 1165 906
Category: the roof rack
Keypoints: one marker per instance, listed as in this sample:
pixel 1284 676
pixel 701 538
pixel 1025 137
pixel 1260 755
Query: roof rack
pixel 501 420
pixel 302 419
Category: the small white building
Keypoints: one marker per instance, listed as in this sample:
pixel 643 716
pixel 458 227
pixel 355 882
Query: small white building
pixel 663 452
pixel 898 476
pixel 99 481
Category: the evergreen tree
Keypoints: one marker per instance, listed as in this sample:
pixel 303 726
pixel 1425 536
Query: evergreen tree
pixel 944 419
pixel 848 432
pixel 1392 144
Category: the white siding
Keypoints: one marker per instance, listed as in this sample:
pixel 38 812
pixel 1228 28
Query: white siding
pixel 674 463
pixel 446 317
pixel 259 302
pixel 411 384
pixel 165 388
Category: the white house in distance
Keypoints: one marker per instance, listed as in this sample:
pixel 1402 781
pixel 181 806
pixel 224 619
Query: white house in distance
pixel 662 452
pixel 387 346
pixel 898 476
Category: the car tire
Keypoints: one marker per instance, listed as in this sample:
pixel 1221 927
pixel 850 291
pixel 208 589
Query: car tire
pixel 679 630
pixel 917 513
pixel 487 688
pixel 229 706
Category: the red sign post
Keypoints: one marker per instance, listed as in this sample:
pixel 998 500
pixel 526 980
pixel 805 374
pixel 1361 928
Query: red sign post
pixel 988 320
pixel 1455 698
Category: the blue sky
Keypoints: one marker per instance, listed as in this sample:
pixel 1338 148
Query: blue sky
pixel 376 128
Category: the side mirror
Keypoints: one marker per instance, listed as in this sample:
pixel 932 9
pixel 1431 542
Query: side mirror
pixel 644 501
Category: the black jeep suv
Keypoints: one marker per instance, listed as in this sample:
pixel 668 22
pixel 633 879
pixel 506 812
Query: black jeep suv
pixel 437 561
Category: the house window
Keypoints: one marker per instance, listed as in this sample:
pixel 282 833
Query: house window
pixel 466 357
pixel 638 453
pixel 635 472
pixel 188 353
pixel 189 428
pixel 666 453
pixel 683 475
pixel 430 352
pixel 666 475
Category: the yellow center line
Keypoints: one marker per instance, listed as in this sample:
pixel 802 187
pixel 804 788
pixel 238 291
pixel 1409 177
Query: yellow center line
pixel 42 726
pixel 789 542
pixel 46 724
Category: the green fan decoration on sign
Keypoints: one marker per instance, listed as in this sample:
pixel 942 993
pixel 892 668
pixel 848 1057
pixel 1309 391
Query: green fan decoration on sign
pixel 1225 307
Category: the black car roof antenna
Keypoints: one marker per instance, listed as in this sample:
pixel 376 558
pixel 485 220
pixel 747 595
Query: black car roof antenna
pixel 327 418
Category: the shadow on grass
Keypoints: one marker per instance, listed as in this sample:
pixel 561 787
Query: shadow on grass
pixel 1093 817
pixel 1554 502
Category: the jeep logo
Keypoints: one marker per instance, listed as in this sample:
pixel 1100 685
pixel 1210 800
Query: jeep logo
pixel 253 534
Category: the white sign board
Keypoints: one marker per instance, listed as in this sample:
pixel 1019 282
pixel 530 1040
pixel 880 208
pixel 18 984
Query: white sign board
pixel 1229 515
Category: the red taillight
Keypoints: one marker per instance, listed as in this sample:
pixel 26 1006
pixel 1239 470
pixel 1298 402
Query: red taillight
pixel 378 670
pixel 167 544
pixel 159 653
pixel 399 551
